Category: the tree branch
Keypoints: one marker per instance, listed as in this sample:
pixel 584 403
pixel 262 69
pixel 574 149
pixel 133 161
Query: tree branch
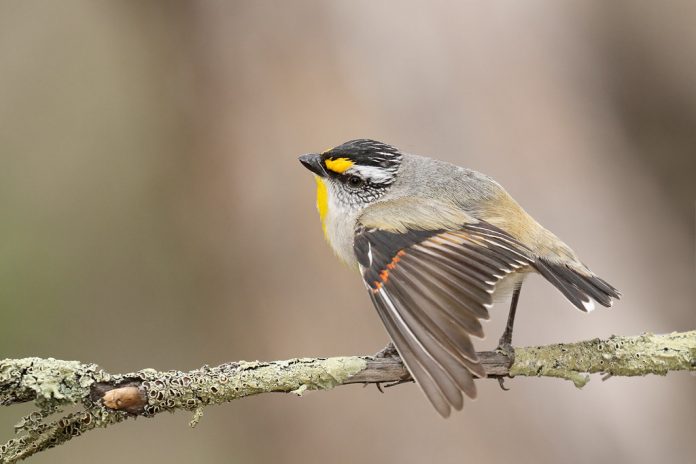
pixel 106 399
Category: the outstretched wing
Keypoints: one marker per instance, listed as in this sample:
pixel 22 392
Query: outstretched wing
pixel 431 289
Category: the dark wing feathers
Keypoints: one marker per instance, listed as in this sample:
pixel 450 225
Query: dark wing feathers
pixel 425 379
pixel 479 260
pixel 440 324
pixel 473 281
pixel 430 289
pixel 457 307
pixel 420 350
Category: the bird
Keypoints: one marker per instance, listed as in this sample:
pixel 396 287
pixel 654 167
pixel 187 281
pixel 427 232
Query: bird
pixel 436 245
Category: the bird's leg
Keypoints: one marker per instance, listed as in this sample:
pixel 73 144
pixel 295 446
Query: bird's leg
pixel 505 342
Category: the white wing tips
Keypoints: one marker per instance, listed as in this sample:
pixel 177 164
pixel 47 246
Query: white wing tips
pixel 589 305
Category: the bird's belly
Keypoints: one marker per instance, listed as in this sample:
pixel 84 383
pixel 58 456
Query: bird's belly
pixel 505 286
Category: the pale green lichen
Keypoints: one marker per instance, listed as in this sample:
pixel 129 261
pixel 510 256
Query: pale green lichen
pixel 342 368
pixel 50 383
pixel 214 385
pixel 197 415
pixel 46 380
pixel 616 356
pixel 301 390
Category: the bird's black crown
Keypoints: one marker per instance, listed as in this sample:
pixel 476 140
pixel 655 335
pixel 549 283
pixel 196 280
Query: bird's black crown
pixel 366 152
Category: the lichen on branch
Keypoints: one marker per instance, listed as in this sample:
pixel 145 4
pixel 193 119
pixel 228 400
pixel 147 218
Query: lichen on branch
pixel 615 356
pixel 107 398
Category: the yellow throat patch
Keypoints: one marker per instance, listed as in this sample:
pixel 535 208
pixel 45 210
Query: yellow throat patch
pixel 322 202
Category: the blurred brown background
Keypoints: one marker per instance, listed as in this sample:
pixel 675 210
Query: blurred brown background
pixel 153 212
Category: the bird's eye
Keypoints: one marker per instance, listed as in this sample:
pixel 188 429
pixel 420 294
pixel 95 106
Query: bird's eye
pixel 355 181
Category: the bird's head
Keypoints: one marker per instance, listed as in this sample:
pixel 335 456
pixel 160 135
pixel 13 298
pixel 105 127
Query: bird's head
pixel 356 173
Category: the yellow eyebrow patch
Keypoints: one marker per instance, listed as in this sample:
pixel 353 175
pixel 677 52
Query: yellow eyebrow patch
pixel 338 165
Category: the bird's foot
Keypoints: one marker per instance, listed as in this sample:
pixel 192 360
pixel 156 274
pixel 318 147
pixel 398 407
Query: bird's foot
pixel 388 351
pixel 505 348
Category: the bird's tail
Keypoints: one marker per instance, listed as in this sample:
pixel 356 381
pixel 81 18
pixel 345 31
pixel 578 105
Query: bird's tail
pixel 579 285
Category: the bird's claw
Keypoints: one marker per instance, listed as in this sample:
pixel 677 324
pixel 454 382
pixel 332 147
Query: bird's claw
pixel 398 382
pixel 377 384
pixel 501 382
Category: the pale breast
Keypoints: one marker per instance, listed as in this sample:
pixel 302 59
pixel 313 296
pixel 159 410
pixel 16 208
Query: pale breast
pixel 339 226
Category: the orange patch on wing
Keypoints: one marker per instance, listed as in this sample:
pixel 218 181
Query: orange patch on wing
pixel 384 274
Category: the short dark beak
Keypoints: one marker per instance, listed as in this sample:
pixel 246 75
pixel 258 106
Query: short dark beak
pixel 312 161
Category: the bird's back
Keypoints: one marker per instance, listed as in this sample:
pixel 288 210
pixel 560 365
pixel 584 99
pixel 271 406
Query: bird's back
pixel 477 196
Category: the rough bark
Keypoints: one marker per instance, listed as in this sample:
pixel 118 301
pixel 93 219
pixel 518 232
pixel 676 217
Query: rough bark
pixel 105 398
